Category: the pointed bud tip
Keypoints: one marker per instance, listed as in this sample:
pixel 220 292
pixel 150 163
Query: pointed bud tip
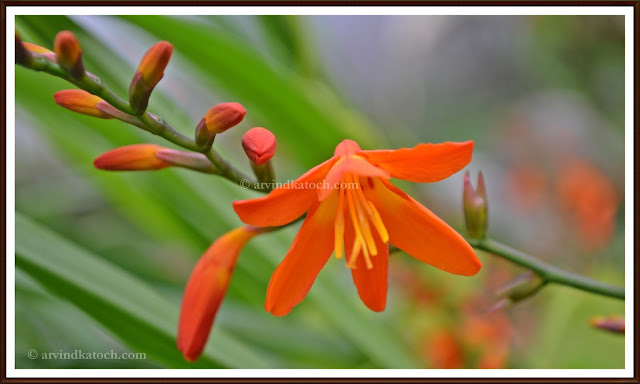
pixel 154 62
pixel 224 116
pixel 259 144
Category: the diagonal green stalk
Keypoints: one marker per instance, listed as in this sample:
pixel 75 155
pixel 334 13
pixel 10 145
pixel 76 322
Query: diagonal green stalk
pixel 149 122
pixel 549 273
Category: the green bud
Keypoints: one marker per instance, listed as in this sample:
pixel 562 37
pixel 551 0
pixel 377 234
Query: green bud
pixel 475 207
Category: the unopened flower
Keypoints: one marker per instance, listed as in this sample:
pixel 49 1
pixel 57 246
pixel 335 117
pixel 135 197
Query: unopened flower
pixel 69 54
pixel 150 71
pixel 218 119
pixel 517 289
pixel 136 157
pixel 84 102
pixel 475 207
pixel 37 49
pixel 206 289
pixel 25 52
pixel 355 211
pixel 259 144
pixel 613 324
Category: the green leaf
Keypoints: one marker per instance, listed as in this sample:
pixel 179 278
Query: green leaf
pixel 124 305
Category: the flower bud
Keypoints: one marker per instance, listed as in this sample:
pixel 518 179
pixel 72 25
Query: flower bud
pixel 259 144
pixel 38 50
pixel 69 54
pixel 33 48
pixel 81 101
pixel 613 324
pixel 150 71
pixel 224 116
pixel 475 207
pixel 517 289
pixel 137 157
pixel 154 62
pixel 206 289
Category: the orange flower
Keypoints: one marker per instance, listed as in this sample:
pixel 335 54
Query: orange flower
pixel 590 197
pixel 351 202
pixel 206 289
pixel 444 351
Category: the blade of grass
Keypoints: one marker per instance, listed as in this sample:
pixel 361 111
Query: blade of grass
pixel 124 305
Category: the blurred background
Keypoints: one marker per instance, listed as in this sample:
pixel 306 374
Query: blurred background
pixel 102 258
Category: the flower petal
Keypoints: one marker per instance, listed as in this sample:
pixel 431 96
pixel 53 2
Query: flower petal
pixel 424 163
pixel 206 289
pixel 308 253
pixel 348 164
pixel 286 203
pixel 371 283
pixel 420 233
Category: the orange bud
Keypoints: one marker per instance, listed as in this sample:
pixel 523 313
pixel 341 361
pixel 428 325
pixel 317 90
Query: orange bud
pixel 33 48
pixel 150 71
pixel 613 324
pixel 81 101
pixel 224 116
pixel 206 289
pixel 154 62
pixel 259 144
pixel 69 54
pixel 36 48
pixel 137 157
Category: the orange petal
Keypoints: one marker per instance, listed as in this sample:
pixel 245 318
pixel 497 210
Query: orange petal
pixel 308 253
pixel 206 289
pixel 424 163
pixel 285 203
pixel 371 283
pixel 420 233
pixel 348 164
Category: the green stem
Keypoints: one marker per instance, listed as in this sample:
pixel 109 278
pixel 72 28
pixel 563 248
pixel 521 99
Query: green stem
pixel 147 121
pixel 548 272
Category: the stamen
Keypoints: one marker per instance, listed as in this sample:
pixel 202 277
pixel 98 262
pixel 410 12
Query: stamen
pixel 339 226
pixel 361 203
pixel 377 222
pixel 359 210
pixel 355 251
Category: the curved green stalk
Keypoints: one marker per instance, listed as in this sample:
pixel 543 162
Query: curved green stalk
pixel 147 121
pixel 548 272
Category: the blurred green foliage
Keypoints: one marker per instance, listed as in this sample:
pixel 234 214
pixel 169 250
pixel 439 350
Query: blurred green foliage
pixel 102 257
